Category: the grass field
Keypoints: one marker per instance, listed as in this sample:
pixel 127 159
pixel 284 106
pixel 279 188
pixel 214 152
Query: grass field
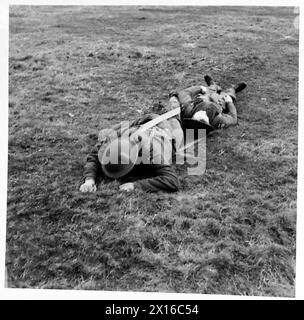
pixel 76 70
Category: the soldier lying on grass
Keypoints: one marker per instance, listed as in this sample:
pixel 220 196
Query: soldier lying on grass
pixel 205 105
pixel 211 104
pixel 153 175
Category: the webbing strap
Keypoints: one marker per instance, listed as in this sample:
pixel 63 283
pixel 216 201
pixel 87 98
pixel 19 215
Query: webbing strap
pixel 159 119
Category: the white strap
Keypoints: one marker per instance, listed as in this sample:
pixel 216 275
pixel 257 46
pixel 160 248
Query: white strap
pixel 159 119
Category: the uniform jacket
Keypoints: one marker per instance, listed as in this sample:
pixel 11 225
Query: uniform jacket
pixel 159 174
pixel 220 113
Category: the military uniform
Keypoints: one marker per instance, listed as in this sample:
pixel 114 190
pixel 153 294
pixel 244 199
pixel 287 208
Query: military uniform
pixel 162 141
pixel 210 99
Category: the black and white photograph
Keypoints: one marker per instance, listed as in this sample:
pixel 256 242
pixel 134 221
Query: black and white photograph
pixel 153 148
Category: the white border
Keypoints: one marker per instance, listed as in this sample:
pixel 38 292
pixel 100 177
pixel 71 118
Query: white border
pixel 4 134
pixel 274 3
pixel 300 195
pixel 35 294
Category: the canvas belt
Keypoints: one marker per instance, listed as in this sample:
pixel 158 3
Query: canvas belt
pixel 159 119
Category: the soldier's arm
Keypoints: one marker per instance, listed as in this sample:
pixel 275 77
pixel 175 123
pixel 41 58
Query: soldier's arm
pixel 229 118
pixel 164 179
pixel 186 96
pixel 92 167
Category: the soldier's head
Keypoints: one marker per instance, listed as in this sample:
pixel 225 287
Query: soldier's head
pixel 119 157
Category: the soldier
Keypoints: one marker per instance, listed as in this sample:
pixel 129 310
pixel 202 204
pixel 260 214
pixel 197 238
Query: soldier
pixel 155 174
pixel 211 104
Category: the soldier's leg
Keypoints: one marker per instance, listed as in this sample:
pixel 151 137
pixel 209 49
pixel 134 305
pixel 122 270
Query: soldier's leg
pixel 212 84
pixel 230 92
pixel 234 90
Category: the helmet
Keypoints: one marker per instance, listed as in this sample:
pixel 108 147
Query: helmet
pixel 119 157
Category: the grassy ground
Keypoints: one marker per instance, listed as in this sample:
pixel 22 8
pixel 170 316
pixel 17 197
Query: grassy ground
pixel 75 70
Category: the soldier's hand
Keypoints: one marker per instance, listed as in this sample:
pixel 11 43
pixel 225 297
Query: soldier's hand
pixel 129 186
pixel 88 186
pixel 227 99
pixel 203 89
